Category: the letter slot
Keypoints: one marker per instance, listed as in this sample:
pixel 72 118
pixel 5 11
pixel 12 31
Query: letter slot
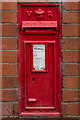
pixel 39 27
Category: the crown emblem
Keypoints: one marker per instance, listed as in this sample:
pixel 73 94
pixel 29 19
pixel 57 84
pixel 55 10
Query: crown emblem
pixel 39 13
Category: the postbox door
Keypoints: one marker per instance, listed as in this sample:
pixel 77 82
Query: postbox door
pixel 39 75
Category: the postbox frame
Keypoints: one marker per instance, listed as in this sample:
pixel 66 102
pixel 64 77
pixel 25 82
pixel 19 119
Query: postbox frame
pixel 57 108
pixel 38 42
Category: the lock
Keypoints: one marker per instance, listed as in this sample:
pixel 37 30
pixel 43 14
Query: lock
pixel 33 79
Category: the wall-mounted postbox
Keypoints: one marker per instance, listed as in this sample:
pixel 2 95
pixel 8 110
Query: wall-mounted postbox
pixel 39 30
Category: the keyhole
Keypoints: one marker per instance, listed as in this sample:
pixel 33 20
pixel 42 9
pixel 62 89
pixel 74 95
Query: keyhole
pixel 33 79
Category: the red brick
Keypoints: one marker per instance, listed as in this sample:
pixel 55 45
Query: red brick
pixel 0 56
pixel 71 17
pixel 64 109
pixel 9 30
pixel 0 30
pixel 9 56
pixel 0 95
pixel 52 1
pixel 9 43
pixel 0 43
pixel 9 16
pixel 74 109
pixel 70 30
pixel 6 109
pixel 15 108
pixel 0 82
pixel 9 95
pixel 0 109
pixel 9 69
pixel 0 69
pixel 70 95
pixel 71 5
pixel 0 5
pixel 71 82
pixel 9 5
pixel 79 95
pixel 71 56
pixel 71 69
pixel 70 44
pixel 9 82
pixel 0 16
pixel 2 117
pixel 31 0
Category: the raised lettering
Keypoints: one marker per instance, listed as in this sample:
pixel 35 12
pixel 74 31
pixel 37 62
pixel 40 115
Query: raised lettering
pixel 28 13
pixel 50 14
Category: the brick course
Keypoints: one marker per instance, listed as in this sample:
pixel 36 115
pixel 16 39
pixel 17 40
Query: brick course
pixel 9 69
pixel 70 30
pixel 71 56
pixel 70 17
pixel 9 82
pixel 71 82
pixel 32 1
pixel 71 69
pixel 15 109
pixel 74 109
pixel 6 109
pixel 64 109
pixel 70 44
pixel 9 43
pixel 9 95
pixel 71 5
pixel 9 56
pixel 9 16
pixel 70 96
pixel 9 30
pixel 9 5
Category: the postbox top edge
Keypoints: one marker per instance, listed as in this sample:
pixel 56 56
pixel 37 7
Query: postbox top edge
pixel 39 4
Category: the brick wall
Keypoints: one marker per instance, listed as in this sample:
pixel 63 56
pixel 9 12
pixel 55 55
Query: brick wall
pixel 70 59
pixel 10 85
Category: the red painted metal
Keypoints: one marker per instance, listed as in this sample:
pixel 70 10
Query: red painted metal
pixel 40 114
pixel 42 83
pixel 32 99
pixel 39 24
pixel 39 11
pixel 39 42
pixel 41 108
pixel 41 97
pixel 36 27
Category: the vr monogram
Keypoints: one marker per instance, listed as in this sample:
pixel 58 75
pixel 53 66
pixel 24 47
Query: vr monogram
pixel 39 13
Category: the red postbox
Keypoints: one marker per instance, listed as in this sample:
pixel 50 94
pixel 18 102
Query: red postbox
pixel 39 31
